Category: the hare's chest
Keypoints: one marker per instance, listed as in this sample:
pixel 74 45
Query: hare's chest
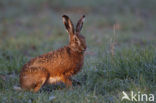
pixel 75 60
pixel 76 63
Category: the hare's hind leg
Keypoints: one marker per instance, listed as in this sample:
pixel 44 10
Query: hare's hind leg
pixel 33 78
pixel 39 84
pixel 41 76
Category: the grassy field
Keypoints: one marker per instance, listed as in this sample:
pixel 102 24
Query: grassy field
pixel 121 53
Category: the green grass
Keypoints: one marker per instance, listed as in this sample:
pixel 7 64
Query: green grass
pixel 116 60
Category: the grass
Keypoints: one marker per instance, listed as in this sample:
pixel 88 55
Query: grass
pixel 120 58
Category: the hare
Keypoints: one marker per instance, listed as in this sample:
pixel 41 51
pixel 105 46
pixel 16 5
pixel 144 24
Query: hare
pixel 59 65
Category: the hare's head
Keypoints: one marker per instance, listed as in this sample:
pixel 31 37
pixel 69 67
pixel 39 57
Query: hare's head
pixel 77 41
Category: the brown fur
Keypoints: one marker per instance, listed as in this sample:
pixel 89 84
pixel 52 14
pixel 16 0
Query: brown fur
pixel 58 65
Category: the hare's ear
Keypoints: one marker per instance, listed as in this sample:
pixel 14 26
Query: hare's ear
pixel 80 24
pixel 68 24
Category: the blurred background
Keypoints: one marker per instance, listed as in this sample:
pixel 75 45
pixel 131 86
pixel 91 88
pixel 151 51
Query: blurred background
pixel 121 40
pixel 34 23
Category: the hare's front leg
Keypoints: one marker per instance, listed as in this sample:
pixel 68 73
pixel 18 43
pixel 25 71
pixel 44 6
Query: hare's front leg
pixel 67 81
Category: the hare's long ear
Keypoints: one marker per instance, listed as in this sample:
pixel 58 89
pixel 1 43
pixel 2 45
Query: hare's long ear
pixel 68 24
pixel 80 24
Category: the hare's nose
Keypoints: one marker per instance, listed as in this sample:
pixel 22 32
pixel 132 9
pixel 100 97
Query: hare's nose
pixel 84 49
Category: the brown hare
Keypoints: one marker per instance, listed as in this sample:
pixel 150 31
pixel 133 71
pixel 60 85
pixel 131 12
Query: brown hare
pixel 59 65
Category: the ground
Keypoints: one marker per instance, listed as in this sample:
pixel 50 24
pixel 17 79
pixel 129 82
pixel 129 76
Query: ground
pixel 121 53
